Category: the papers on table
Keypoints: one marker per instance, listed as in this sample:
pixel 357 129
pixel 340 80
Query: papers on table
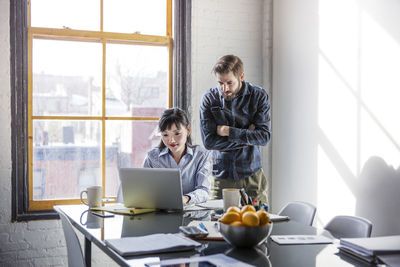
pixel 373 245
pixel 156 243
pixel 300 239
pixel 367 249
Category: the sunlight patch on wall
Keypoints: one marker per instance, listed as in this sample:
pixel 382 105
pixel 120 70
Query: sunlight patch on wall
pixel 338 77
pixel 380 92
pixel 338 38
pixel 333 193
pixel 337 114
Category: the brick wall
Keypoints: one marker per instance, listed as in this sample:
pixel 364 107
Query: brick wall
pixel 219 28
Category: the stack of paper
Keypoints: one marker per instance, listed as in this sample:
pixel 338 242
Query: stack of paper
pixel 300 239
pixel 156 243
pixel 368 248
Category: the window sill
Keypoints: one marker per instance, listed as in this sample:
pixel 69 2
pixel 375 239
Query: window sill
pixel 36 215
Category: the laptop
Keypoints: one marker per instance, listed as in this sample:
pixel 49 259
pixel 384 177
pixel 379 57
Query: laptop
pixel 156 188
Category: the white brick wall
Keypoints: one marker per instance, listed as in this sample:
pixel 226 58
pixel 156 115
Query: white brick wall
pixel 218 27
pixel 224 27
pixel 240 27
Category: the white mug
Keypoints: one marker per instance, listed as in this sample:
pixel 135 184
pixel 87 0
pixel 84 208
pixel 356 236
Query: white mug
pixel 92 221
pixel 231 197
pixel 94 196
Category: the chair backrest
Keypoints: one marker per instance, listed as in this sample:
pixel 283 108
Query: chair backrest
pixel 349 227
pixel 301 212
pixel 75 255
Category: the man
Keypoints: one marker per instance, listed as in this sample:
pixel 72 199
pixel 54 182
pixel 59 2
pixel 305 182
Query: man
pixel 235 121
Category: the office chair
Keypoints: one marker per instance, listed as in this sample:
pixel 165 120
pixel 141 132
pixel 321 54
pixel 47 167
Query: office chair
pixel 75 255
pixel 349 227
pixel 301 212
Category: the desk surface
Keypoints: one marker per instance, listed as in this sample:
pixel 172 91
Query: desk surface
pixel 97 229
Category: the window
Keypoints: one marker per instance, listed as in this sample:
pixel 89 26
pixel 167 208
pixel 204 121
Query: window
pixel 89 84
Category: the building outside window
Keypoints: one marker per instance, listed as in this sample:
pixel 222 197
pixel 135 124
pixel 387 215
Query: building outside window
pixel 99 76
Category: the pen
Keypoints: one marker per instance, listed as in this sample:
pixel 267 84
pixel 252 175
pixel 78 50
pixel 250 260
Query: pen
pixel 202 226
pixel 265 207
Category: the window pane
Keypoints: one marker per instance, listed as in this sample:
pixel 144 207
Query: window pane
pixel 133 139
pixel 66 78
pixel 135 16
pixel 137 80
pixel 73 14
pixel 66 157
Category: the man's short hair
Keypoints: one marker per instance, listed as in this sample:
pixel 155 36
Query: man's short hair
pixel 229 63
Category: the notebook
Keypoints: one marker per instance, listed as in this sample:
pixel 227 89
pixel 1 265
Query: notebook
pixel 119 208
pixel 373 245
pixel 155 243
pixel 153 188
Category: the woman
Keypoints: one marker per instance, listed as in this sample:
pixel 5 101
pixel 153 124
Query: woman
pixel 176 151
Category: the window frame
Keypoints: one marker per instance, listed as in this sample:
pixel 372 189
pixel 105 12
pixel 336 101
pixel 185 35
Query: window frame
pixel 19 60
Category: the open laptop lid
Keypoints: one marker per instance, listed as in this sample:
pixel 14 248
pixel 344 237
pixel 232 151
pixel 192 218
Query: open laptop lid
pixel 159 188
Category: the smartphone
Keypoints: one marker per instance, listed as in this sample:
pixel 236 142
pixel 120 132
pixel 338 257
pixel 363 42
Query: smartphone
pixel 193 231
pixel 103 214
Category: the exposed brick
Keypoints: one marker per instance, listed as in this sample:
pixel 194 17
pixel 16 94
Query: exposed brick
pixel 43 225
pixel 8 257
pixel 51 261
pixel 59 251
pixel 24 263
pixel 30 254
pixel 22 245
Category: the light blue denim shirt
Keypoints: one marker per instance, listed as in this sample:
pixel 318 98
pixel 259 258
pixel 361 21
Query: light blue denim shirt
pixel 195 166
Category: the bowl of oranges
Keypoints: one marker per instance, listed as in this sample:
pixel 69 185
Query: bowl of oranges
pixel 245 227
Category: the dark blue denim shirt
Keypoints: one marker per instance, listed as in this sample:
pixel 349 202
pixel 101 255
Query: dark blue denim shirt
pixel 238 155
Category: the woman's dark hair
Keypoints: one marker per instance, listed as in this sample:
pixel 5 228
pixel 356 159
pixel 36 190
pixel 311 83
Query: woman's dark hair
pixel 170 117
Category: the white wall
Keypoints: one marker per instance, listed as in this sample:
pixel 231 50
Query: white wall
pixel 336 91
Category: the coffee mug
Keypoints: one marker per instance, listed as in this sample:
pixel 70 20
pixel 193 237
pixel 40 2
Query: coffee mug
pixel 94 196
pixel 231 197
pixel 92 221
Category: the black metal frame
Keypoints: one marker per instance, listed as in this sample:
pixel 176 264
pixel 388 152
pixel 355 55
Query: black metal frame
pixel 182 54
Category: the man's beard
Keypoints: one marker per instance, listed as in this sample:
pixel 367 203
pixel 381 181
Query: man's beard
pixel 230 97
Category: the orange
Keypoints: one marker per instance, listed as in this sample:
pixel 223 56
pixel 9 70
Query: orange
pixel 230 217
pixel 247 208
pixel 233 208
pixel 263 217
pixel 236 223
pixel 250 218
